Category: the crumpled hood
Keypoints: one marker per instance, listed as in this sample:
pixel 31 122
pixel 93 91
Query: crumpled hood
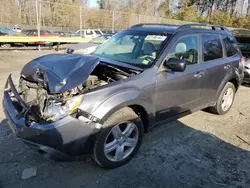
pixel 62 71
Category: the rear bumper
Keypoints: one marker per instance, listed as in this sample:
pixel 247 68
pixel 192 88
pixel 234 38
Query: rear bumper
pixel 67 137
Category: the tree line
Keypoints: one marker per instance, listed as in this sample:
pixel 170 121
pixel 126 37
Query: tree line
pixel 231 13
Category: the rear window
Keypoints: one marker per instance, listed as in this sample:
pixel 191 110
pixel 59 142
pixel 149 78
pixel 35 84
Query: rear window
pixel 211 47
pixel 230 45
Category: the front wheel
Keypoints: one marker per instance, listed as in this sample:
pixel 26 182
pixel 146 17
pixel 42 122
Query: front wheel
pixel 119 140
pixel 225 100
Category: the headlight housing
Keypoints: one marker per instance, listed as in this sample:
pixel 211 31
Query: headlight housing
pixel 72 104
pixel 55 111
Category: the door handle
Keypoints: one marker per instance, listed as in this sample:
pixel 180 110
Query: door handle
pixel 199 74
pixel 226 67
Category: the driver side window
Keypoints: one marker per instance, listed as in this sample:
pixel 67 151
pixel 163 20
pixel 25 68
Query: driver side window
pixel 186 48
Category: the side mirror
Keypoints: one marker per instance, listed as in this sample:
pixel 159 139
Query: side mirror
pixel 176 65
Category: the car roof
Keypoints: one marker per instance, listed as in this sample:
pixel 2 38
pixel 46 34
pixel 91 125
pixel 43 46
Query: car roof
pixel 155 28
pixel 170 29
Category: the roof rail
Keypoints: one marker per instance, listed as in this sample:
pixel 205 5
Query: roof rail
pixel 202 26
pixel 151 24
pixel 186 26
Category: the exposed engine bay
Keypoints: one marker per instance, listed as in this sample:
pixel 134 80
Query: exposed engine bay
pixel 51 107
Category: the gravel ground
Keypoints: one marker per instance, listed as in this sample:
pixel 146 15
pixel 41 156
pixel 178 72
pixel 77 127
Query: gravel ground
pixel 199 150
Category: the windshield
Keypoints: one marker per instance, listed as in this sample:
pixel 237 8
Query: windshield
pixel 131 47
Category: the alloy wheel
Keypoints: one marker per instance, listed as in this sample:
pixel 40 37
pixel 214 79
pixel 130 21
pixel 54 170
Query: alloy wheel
pixel 121 141
pixel 227 99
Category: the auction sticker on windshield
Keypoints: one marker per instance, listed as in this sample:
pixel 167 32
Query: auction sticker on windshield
pixel 156 37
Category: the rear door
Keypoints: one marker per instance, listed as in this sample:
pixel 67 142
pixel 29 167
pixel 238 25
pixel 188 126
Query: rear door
pixel 233 52
pixel 216 65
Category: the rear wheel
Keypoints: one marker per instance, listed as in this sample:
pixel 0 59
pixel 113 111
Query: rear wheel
pixel 119 140
pixel 225 100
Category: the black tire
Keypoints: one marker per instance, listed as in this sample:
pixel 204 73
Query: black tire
pixel 122 115
pixel 217 109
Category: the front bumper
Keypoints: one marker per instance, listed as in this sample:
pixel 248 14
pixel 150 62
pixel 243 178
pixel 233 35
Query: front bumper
pixel 67 137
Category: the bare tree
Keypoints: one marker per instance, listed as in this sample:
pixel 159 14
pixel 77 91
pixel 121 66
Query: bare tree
pixel 248 7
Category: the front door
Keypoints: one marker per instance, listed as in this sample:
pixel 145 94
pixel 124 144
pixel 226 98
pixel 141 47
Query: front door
pixel 177 92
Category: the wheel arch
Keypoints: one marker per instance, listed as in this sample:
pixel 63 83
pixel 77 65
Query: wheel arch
pixel 137 108
pixel 142 113
pixel 235 82
pixel 132 99
pixel 233 78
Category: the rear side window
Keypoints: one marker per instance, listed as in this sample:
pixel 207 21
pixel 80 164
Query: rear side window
pixel 211 47
pixel 230 45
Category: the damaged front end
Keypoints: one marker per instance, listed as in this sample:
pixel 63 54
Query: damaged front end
pixel 46 106
pixel 53 86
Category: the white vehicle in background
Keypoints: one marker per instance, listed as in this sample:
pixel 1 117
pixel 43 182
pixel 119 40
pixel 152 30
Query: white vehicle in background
pixel 17 29
pixel 89 47
pixel 89 33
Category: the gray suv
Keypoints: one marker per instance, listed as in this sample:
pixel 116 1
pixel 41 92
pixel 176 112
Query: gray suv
pixel 68 105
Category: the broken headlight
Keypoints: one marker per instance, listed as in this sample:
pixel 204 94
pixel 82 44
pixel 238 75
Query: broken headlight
pixel 73 103
pixel 55 111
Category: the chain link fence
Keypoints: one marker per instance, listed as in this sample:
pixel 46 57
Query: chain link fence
pixel 62 17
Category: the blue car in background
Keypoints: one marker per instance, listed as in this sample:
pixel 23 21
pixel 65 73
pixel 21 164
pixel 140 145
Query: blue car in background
pixel 2 34
pixel 8 31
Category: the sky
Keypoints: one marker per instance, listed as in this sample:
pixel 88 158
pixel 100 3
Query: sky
pixel 92 3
